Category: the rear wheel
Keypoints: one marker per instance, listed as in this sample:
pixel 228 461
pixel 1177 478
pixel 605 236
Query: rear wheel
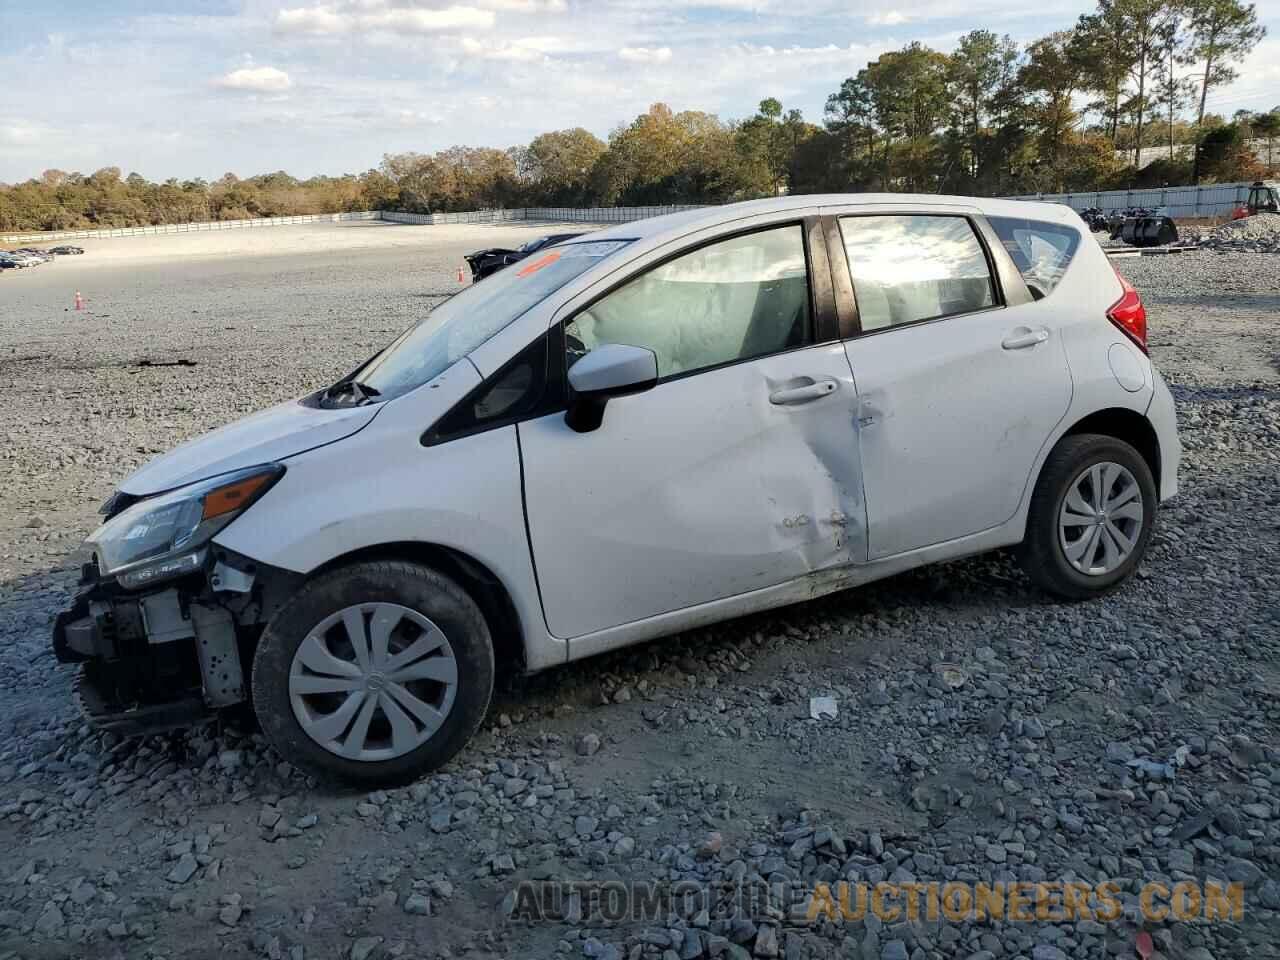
pixel 375 673
pixel 1091 517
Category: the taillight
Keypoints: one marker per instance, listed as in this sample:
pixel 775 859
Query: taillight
pixel 1129 314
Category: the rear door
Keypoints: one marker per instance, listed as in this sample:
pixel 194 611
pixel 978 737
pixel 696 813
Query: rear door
pixel 960 377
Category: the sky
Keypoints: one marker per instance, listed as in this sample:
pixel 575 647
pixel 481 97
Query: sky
pixel 197 88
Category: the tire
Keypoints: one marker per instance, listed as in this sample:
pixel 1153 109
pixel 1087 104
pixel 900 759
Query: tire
pixel 426 595
pixel 1043 551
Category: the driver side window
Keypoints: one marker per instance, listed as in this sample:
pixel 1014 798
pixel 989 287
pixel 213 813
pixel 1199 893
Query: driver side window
pixel 736 299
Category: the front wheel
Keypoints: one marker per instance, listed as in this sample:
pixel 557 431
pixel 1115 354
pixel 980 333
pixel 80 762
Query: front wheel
pixel 375 673
pixel 1091 517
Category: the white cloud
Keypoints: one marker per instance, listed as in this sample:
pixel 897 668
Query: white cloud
pixel 412 82
pixel 318 20
pixel 356 16
pixel 645 54
pixel 20 134
pixel 522 50
pixel 255 80
pixel 526 6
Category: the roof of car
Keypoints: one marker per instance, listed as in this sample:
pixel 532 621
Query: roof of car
pixel 687 220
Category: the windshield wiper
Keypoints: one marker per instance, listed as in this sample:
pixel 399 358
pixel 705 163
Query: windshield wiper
pixel 360 392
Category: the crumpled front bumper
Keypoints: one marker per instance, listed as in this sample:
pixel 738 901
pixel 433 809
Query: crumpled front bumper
pixel 92 629
pixel 76 636
pixel 151 661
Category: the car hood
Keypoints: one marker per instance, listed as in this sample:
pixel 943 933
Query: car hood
pixel 272 434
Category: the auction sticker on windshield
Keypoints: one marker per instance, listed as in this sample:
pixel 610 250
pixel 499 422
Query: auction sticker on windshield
pixel 538 264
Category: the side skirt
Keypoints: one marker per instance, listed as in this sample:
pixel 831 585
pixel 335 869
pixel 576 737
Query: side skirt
pixel 809 587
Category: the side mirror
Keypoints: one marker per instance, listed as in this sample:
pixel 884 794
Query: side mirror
pixel 612 370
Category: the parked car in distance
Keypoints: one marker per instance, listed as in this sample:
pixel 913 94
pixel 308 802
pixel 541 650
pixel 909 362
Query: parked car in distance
pixel 8 262
pixel 42 255
pixel 483 263
pixel 674 422
pixel 23 258
pixel 66 250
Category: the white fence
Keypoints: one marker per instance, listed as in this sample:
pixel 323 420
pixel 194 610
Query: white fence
pixel 554 214
pixel 548 214
pixel 1212 201
pixel 604 214
pixel 464 216
pixel 203 225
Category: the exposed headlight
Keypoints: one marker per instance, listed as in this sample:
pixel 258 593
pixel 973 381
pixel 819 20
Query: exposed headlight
pixel 164 536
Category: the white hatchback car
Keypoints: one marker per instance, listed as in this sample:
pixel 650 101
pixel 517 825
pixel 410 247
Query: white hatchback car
pixel 654 427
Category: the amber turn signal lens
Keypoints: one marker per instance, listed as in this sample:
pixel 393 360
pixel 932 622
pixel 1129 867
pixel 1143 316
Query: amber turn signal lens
pixel 233 496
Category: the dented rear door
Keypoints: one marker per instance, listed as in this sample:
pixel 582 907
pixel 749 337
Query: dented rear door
pixel 962 377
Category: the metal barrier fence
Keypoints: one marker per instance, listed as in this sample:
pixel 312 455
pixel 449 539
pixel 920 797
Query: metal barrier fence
pixel 605 214
pixel 1178 202
pixel 557 214
pixel 465 216
pixel 554 214
pixel 200 226
pixel 1209 201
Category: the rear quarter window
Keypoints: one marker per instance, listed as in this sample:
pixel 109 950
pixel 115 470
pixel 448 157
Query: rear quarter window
pixel 1041 251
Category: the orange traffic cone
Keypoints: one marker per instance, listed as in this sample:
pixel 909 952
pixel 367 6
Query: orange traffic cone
pixel 79 301
pixel 461 278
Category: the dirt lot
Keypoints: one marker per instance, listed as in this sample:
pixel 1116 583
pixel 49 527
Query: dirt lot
pixel 689 759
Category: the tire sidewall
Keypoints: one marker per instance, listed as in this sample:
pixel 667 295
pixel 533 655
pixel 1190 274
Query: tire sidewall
pixel 1102 449
pixel 433 595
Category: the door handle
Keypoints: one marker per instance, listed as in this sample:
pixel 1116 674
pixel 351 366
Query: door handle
pixel 805 394
pixel 1022 338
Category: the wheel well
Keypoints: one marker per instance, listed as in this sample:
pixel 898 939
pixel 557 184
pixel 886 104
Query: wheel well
pixel 473 576
pixel 1127 425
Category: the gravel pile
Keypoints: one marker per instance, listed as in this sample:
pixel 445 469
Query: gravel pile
pixel 1257 234
pixel 984 734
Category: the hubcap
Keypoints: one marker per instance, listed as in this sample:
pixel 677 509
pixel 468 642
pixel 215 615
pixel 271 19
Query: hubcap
pixel 1101 518
pixel 373 681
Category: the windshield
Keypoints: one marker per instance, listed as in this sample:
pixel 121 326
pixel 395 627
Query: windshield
pixel 463 322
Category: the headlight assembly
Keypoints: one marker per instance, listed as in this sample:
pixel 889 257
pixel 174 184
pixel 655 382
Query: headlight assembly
pixel 164 536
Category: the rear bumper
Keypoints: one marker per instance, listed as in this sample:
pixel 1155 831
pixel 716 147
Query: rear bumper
pixel 1163 417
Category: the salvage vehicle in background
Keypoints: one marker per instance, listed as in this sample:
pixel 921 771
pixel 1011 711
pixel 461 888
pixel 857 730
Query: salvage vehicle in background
pixel 484 263
pixel 1142 227
pixel 655 427
pixel 1264 197
pixel 1094 218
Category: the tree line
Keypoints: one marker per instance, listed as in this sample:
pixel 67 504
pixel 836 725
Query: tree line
pixel 1069 111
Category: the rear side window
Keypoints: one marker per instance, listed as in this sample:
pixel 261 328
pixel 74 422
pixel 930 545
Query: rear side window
pixel 910 268
pixel 1041 251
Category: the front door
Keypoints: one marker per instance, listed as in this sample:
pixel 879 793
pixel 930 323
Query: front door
pixel 737 471
pixel 959 389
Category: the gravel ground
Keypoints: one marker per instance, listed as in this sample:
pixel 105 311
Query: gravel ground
pixel 984 733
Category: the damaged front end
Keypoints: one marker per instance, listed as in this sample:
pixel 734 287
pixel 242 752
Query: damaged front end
pixel 166 621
